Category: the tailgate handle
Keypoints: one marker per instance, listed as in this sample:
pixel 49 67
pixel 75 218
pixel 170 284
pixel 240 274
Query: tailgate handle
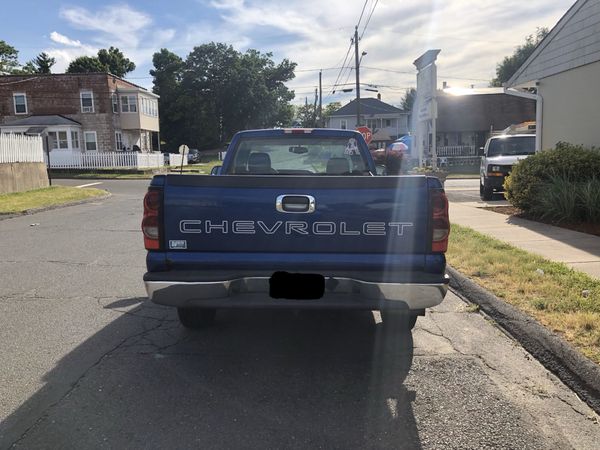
pixel 292 203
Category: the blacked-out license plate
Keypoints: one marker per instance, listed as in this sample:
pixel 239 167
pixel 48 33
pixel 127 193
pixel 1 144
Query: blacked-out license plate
pixel 296 286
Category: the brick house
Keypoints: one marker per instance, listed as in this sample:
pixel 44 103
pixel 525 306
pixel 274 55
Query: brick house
pixel 80 112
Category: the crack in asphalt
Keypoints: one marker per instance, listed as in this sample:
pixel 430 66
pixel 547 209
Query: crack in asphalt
pixel 44 414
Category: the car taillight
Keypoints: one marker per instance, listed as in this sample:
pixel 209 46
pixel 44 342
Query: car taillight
pixel 151 223
pixel 440 222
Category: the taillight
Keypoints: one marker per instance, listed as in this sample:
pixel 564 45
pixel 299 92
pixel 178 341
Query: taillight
pixel 440 222
pixel 151 223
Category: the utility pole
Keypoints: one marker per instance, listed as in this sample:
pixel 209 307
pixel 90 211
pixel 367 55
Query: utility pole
pixel 356 65
pixel 321 124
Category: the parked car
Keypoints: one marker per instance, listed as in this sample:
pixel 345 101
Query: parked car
pixel 500 154
pixel 193 156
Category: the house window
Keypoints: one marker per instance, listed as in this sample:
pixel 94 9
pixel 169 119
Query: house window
pixel 372 124
pixel 119 140
pixel 388 123
pixel 87 101
pixel 115 103
pixel 20 102
pixel 128 103
pixel 343 124
pixel 75 139
pixel 91 144
pixel 58 139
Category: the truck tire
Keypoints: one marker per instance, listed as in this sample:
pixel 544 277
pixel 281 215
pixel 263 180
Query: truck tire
pixel 398 320
pixel 485 192
pixel 196 318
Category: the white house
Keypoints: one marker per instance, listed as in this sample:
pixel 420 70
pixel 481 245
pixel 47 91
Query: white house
pixel 385 121
pixel 565 69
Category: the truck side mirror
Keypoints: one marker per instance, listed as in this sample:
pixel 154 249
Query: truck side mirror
pixel 481 151
pixel 216 170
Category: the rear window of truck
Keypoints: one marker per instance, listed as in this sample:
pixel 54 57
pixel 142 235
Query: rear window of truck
pixel 285 155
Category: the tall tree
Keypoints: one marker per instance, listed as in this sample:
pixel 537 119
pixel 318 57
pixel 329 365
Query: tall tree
pixel 8 58
pixel 111 60
pixel 115 61
pixel 43 63
pixel 85 64
pixel 167 73
pixel 510 64
pixel 218 91
pixel 409 99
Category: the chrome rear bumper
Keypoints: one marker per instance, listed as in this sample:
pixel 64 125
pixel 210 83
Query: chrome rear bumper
pixel 340 293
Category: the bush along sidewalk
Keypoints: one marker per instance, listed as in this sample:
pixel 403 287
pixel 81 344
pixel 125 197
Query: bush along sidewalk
pixel 564 300
pixel 560 185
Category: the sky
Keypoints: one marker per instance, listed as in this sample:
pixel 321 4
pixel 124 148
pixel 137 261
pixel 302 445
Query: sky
pixel 473 35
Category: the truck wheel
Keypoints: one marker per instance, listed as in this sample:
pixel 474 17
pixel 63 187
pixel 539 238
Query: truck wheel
pixel 196 318
pixel 485 192
pixel 398 320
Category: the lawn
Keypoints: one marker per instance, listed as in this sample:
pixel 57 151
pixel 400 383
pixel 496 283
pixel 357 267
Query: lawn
pixel 20 202
pixel 562 299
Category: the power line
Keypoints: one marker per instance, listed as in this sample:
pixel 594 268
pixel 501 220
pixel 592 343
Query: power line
pixel 369 19
pixel 362 12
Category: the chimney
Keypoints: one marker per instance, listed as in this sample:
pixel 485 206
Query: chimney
pixel 378 96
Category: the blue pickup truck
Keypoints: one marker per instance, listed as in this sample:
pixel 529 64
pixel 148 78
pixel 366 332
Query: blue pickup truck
pixel 296 218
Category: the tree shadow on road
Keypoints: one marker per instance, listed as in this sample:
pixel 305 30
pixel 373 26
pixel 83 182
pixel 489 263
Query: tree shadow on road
pixel 267 379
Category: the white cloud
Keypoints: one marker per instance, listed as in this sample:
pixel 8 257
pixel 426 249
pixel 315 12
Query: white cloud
pixel 62 39
pixel 473 35
pixel 121 26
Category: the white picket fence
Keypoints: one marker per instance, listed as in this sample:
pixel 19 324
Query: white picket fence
pixel 15 148
pixel 61 159
pixel 457 150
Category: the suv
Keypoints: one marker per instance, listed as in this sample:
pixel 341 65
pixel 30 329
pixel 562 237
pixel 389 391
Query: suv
pixel 500 154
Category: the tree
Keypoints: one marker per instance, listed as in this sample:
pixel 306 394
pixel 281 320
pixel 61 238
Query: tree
pixel 115 61
pixel 409 99
pixel 218 91
pixel 167 73
pixel 43 63
pixel 85 64
pixel 111 60
pixel 510 64
pixel 8 58
pixel 306 115
pixel 329 109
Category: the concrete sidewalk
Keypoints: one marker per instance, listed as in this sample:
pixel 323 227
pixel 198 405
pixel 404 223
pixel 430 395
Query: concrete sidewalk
pixel 578 250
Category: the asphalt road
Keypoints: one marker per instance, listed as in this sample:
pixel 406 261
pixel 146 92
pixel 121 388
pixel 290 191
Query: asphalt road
pixel 86 362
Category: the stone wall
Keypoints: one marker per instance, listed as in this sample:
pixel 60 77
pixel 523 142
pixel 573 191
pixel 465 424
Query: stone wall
pixel 19 177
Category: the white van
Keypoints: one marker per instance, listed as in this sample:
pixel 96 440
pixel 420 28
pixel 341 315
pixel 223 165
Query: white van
pixel 500 154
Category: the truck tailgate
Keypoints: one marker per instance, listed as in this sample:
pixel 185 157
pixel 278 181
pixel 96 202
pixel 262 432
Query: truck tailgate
pixel 239 214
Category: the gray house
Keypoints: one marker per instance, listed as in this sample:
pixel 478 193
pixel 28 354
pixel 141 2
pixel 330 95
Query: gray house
pixel 565 69
pixel 385 121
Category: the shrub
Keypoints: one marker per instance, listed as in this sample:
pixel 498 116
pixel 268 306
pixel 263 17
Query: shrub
pixel 559 184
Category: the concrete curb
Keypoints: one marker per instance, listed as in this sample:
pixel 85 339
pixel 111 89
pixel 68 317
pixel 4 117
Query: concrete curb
pixel 49 208
pixel 553 352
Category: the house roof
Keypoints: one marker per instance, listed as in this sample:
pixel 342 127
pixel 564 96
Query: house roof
pixel 573 42
pixel 42 121
pixel 368 106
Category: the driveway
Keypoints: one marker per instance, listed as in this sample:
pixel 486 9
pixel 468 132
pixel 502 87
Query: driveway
pixel 88 363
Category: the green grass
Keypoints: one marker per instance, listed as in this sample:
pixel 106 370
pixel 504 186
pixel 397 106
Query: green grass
pixel 562 299
pixel 200 168
pixel 20 202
